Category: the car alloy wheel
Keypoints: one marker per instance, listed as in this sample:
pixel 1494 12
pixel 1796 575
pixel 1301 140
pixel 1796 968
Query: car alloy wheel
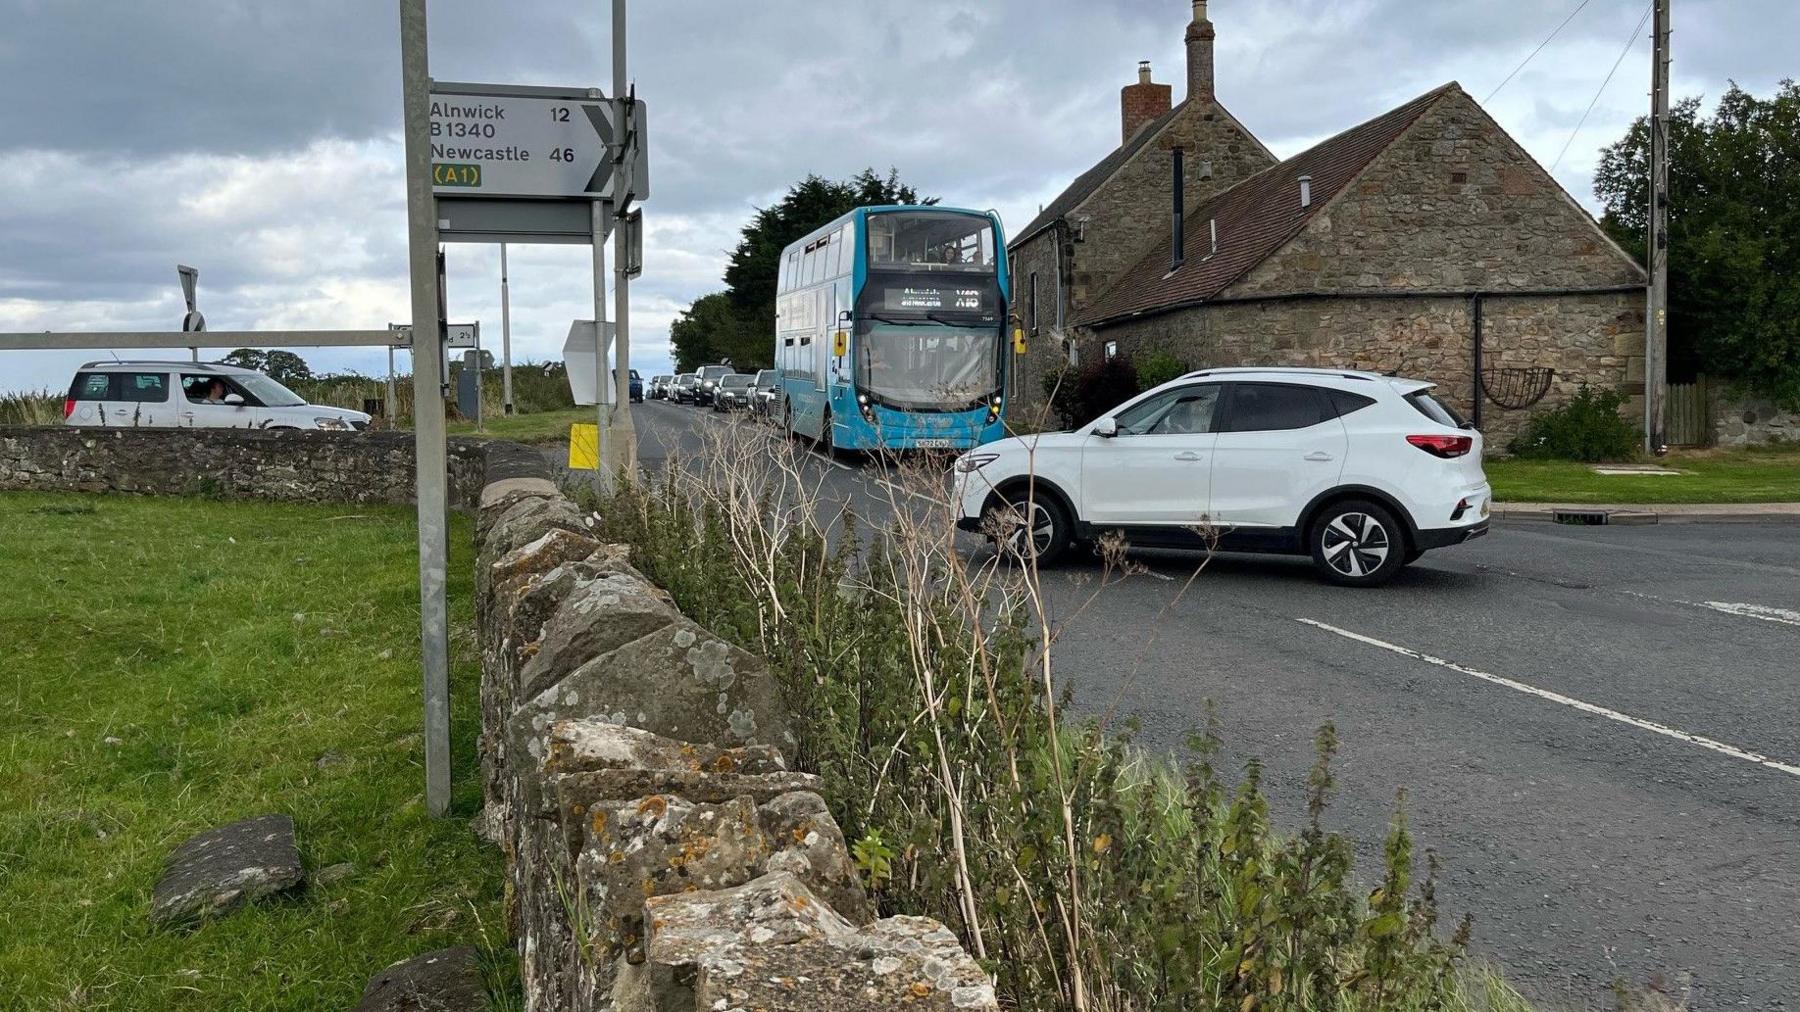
pixel 1358 544
pixel 1030 527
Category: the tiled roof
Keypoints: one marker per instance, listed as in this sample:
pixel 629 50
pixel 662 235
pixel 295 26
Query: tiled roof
pixel 1255 218
pixel 1089 181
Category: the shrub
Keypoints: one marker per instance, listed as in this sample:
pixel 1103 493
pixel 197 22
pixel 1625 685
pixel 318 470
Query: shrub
pixel 28 408
pixel 1096 388
pixel 1160 368
pixel 1082 873
pixel 1589 427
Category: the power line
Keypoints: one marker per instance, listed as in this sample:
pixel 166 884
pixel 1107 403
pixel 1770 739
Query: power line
pixel 1629 43
pixel 1547 39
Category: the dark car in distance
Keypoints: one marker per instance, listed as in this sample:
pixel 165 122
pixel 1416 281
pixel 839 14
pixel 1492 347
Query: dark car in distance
pixel 682 390
pixel 733 392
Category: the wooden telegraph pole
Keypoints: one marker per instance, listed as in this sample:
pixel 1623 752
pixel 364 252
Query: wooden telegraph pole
pixel 1656 343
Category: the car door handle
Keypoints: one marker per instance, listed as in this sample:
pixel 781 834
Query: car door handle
pixel 1319 455
pixel 1187 455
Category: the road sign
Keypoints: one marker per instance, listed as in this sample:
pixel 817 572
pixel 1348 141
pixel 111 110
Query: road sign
pixel 511 141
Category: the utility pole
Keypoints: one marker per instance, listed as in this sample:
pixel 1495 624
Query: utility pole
pixel 1656 340
pixel 428 404
pixel 624 434
pixel 505 337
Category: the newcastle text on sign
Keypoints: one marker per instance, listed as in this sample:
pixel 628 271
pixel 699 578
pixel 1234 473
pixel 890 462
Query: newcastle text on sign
pixel 544 144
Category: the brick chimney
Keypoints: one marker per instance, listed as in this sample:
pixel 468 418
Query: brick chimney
pixel 1200 37
pixel 1142 102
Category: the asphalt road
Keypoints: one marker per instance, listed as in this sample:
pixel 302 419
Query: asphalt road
pixel 1595 727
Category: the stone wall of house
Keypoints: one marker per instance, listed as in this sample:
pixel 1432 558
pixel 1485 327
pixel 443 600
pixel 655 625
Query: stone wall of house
pixel 1584 339
pixel 289 466
pixel 1744 420
pixel 1128 212
pixel 661 853
pixel 1045 351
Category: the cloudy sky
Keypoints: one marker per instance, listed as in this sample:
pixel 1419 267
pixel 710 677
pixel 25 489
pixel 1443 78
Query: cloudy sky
pixel 260 141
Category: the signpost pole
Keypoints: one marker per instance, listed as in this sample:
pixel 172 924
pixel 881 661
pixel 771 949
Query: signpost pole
pixel 505 338
pixel 602 480
pixel 627 438
pixel 428 405
pixel 392 407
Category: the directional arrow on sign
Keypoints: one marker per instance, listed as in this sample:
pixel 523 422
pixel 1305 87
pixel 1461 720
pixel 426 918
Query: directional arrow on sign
pixel 512 141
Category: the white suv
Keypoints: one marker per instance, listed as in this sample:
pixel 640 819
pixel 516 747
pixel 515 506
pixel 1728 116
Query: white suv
pixel 1362 472
pixel 193 395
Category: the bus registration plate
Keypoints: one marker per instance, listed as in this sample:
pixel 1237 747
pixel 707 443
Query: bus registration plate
pixel 932 444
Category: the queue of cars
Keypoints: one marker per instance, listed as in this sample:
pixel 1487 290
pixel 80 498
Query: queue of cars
pixel 717 387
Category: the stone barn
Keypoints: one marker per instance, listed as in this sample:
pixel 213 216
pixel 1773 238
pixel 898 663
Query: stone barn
pixel 1425 241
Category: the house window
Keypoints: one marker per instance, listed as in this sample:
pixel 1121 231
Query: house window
pixel 1112 350
pixel 1031 318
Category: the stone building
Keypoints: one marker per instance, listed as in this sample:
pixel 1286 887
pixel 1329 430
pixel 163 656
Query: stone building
pixel 1423 241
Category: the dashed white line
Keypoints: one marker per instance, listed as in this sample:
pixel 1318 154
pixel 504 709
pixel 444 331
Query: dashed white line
pixel 1569 701
pixel 1761 612
pixel 1758 611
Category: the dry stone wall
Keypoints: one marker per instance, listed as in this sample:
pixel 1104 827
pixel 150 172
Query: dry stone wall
pixel 288 466
pixel 661 853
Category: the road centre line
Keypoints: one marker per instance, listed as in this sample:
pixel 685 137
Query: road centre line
pixel 1761 612
pixel 1569 701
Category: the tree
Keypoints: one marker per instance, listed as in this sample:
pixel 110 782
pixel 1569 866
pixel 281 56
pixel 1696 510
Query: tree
pixel 707 332
pixel 739 322
pixel 283 367
pixel 1734 234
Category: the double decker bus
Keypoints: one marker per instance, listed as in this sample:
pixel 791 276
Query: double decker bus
pixel 890 330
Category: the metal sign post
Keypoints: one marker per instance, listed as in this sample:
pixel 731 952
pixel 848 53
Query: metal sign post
pixel 626 147
pixel 505 339
pixel 428 406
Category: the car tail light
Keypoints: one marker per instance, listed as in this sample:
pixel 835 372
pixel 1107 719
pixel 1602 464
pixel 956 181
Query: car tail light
pixel 68 408
pixel 1446 447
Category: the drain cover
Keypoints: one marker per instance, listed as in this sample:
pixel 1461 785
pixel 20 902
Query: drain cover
pixel 1581 518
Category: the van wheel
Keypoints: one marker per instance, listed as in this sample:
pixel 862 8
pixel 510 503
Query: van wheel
pixel 1357 543
pixel 1029 526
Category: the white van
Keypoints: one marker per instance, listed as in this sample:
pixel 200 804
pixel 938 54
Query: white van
pixel 200 395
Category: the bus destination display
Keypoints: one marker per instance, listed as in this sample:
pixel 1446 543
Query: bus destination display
pixel 920 299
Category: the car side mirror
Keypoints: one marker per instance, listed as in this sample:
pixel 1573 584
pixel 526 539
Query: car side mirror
pixel 1106 428
pixel 235 399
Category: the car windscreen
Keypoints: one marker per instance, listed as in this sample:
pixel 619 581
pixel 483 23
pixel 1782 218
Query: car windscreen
pixel 269 392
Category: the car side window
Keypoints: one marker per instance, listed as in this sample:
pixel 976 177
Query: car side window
pixel 144 387
pixel 1182 411
pixel 1273 407
pixel 94 386
pixel 1343 402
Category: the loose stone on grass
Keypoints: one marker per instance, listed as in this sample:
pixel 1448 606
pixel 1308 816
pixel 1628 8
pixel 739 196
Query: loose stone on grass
pixel 224 868
pixel 448 980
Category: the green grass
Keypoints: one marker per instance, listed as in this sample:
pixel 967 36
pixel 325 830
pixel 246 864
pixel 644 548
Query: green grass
pixel 174 664
pixel 1767 474
pixel 542 428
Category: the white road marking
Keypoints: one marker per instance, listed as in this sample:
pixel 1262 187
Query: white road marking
pixel 1569 701
pixel 840 465
pixel 890 486
pixel 1760 611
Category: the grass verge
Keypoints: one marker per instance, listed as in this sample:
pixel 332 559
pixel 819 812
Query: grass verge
pixel 1763 474
pixel 174 664
pixel 541 429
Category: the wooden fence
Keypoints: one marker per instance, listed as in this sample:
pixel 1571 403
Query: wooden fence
pixel 1688 413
